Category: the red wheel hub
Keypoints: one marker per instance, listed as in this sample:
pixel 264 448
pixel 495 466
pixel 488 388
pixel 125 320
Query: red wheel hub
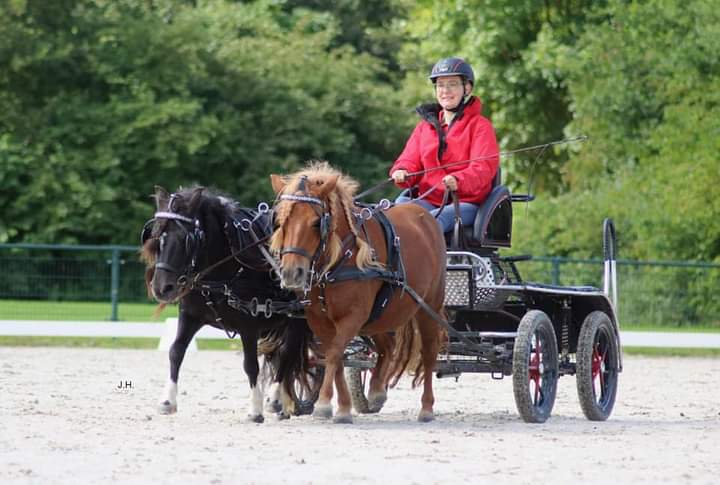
pixel 598 358
pixel 535 368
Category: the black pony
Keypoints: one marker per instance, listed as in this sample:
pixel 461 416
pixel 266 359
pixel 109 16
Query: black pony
pixel 204 251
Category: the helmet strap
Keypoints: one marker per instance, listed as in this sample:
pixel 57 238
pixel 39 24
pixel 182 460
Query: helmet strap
pixel 459 105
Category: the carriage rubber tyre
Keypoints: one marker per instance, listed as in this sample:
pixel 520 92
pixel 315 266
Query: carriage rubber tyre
pixel 535 367
pixel 305 400
pixel 597 366
pixel 358 380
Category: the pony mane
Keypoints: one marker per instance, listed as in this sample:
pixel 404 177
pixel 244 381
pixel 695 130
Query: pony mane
pixel 340 203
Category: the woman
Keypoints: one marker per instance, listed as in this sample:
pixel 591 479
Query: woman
pixel 452 130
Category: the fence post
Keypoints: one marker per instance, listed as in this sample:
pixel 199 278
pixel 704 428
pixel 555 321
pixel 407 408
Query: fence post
pixel 556 271
pixel 114 283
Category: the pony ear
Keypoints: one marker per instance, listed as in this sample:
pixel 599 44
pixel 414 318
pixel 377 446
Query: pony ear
pixel 195 199
pixel 278 183
pixel 328 185
pixel 161 197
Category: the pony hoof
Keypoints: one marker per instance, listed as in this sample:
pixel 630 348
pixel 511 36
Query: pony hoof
pixel 376 402
pixel 283 416
pixel 322 412
pixel 166 407
pixel 273 406
pixel 257 418
pixel 343 419
pixel 426 416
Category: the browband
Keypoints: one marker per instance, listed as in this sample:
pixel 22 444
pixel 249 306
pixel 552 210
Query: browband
pixel 303 198
pixel 172 215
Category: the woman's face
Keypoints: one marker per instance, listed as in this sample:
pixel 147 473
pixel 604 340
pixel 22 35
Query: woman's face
pixel 449 91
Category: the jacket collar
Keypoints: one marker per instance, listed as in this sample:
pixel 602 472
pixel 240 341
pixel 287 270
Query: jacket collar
pixel 430 112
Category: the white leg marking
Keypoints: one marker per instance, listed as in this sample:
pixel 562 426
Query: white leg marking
pixel 168 402
pixel 288 404
pixel 256 405
pixel 272 403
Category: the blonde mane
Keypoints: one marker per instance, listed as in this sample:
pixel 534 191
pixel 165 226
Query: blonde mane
pixel 340 202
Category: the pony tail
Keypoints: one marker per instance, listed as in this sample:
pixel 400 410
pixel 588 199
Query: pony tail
pixel 406 355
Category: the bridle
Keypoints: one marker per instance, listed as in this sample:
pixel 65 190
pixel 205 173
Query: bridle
pixel 323 212
pixel 194 241
pixel 190 277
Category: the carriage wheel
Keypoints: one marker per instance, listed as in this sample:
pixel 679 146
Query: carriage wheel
pixel 305 399
pixel 597 366
pixel 358 380
pixel 535 367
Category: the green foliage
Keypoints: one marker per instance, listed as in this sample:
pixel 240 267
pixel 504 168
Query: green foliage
pixel 506 42
pixel 628 75
pixel 369 26
pixel 103 99
pixel 646 93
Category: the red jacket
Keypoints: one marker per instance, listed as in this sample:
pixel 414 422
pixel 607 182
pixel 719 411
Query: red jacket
pixel 469 136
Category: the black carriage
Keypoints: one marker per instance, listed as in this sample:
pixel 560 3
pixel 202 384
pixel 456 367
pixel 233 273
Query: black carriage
pixel 505 326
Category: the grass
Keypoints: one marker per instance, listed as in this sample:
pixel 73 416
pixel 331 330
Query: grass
pixel 81 311
pixel 78 311
pixel 110 342
pixel 235 345
pixel 670 352
pixel 674 329
pixel 143 312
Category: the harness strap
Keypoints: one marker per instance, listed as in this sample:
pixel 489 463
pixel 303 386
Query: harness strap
pixel 481 349
pixel 218 319
pixel 393 275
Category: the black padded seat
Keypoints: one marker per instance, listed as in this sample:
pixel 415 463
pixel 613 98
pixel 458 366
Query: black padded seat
pixel 492 228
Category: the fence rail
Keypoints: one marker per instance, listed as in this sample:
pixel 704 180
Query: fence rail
pixel 92 282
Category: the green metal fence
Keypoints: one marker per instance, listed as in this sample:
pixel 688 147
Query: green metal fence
pixel 81 282
pixel 650 293
pixel 41 282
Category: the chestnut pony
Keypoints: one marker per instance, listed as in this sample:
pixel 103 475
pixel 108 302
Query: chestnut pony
pixel 320 232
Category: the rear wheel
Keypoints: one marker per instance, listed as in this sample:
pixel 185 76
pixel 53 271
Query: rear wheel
pixel 597 366
pixel 535 367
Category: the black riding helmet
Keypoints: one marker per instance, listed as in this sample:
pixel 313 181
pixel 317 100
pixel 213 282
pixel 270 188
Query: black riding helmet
pixel 452 66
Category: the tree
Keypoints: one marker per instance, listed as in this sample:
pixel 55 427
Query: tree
pixel 644 85
pixel 103 99
pixel 525 99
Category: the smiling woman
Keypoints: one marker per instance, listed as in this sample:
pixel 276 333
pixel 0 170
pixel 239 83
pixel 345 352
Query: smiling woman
pixel 452 130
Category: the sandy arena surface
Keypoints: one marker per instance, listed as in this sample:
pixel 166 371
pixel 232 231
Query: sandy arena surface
pixel 64 420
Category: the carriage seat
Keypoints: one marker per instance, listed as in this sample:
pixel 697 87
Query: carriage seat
pixel 492 228
pixel 493 222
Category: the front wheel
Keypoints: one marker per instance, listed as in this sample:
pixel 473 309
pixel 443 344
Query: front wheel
pixel 597 366
pixel 535 367
pixel 358 380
